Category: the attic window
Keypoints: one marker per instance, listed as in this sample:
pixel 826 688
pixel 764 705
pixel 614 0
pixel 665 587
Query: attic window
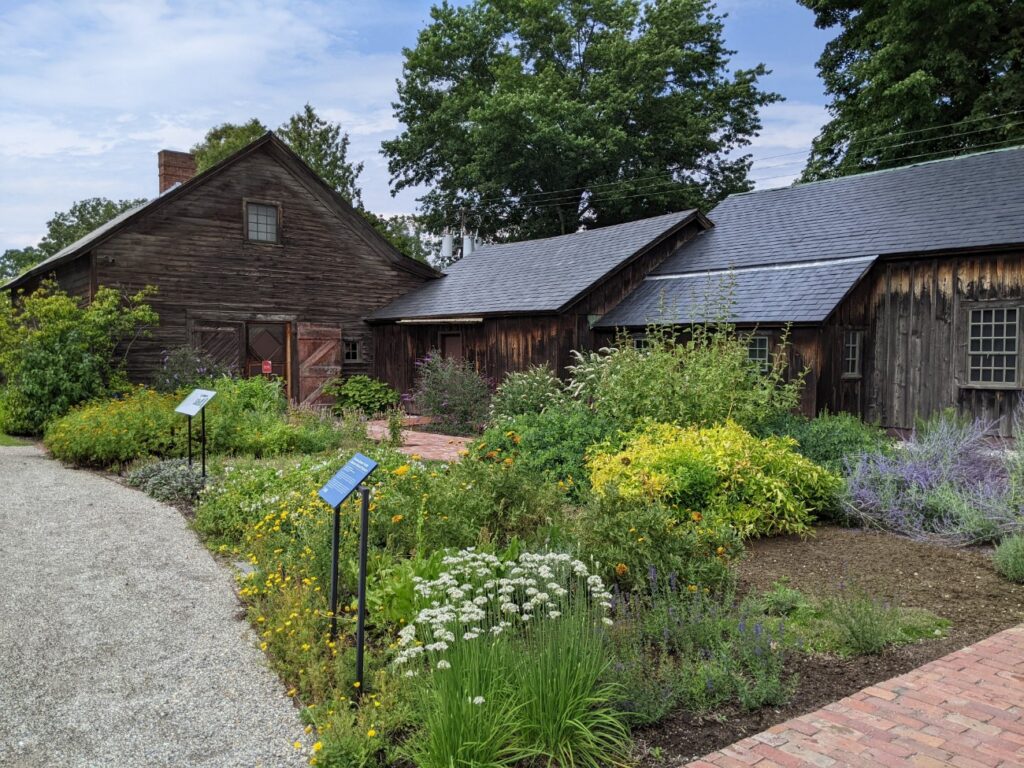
pixel 992 346
pixel 261 222
pixel 757 352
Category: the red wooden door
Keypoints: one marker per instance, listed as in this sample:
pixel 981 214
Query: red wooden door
pixel 319 359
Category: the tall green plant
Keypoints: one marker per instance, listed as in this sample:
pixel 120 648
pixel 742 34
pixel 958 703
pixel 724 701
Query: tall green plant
pixel 56 352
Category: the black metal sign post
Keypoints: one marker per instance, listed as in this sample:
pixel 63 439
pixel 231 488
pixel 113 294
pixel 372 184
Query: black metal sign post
pixel 190 406
pixel 348 480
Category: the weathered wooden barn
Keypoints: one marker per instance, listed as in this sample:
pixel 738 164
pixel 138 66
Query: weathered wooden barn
pixel 904 288
pixel 256 261
pixel 506 307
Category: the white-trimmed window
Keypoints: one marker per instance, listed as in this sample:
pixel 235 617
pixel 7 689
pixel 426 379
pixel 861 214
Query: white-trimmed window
pixel 992 346
pixel 757 352
pixel 852 341
pixel 261 222
pixel 351 350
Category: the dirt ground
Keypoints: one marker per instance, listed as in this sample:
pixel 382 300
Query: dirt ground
pixel 959 585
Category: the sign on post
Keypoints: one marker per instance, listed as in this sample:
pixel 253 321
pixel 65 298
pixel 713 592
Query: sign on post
pixel 268 367
pixel 345 481
pixel 190 406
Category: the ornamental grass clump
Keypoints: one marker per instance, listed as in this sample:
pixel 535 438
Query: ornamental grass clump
pixel 511 658
pixel 1009 558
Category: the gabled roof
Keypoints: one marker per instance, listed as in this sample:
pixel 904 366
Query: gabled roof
pixel 283 153
pixel 963 202
pixel 532 276
pixel 792 254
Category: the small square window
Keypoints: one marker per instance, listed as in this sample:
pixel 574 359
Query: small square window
pixel 351 350
pixel 261 222
pixel 992 346
pixel 851 354
pixel 757 352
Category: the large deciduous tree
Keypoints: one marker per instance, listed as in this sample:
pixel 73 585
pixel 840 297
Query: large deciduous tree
pixel 324 148
pixel 224 140
pixel 538 117
pixel 917 79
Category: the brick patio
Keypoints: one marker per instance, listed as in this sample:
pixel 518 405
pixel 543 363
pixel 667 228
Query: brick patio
pixel 965 709
pixel 427 445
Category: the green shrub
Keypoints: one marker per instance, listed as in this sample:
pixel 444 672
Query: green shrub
pixel 1009 558
pixel 171 480
pixel 395 419
pixel 56 353
pixel 452 393
pixel 629 541
pixel 365 394
pixel 781 599
pixel 527 392
pixel 186 367
pixel 832 440
pixel 761 487
pixel 703 380
pixel 552 444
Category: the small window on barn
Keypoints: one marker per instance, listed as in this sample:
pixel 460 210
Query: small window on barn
pixel 352 351
pixel 992 346
pixel 757 352
pixel 261 222
pixel 851 354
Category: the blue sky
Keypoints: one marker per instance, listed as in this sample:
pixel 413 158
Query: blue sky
pixel 91 90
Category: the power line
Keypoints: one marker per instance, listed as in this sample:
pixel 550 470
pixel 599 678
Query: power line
pixel 558 195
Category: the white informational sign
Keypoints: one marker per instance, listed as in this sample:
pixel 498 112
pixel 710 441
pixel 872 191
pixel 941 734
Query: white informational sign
pixel 195 402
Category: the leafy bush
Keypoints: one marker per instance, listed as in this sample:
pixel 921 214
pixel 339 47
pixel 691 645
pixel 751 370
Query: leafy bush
pixel 552 444
pixel 832 440
pixel 704 380
pixel 247 417
pixel 171 480
pixel 944 483
pixel 781 599
pixel 365 394
pixel 452 393
pixel 1009 558
pixel 526 392
pixel 56 353
pixel 186 367
pixel 761 487
pixel 629 541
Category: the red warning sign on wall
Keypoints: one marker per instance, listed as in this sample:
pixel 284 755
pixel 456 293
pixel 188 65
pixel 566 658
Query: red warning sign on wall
pixel 268 367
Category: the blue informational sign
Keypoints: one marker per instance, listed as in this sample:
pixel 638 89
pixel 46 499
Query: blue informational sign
pixel 195 402
pixel 347 479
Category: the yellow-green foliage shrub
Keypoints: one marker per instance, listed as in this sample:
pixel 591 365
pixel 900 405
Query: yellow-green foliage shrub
pixel 759 486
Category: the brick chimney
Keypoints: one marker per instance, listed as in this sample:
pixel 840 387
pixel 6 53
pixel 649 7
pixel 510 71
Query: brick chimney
pixel 175 168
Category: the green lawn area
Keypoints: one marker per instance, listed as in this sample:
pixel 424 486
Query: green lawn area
pixel 8 440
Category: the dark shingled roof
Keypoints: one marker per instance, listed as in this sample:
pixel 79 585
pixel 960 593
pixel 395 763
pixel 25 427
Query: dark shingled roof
pixel 962 202
pixel 792 293
pixel 775 245
pixel 533 275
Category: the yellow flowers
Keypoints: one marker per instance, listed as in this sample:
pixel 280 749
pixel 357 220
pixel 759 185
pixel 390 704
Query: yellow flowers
pixel 297 744
pixel 396 519
pixel 317 746
pixel 292 691
pixel 621 569
pixel 371 733
pixel 696 517
pixel 402 470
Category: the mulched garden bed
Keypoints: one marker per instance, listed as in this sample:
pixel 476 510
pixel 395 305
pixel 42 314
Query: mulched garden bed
pixel 957 584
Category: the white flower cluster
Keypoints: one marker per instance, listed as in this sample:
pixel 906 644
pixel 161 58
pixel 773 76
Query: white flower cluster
pixel 478 594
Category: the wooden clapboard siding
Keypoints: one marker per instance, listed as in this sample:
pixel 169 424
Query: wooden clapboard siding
pixel 914 354
pixel 325 269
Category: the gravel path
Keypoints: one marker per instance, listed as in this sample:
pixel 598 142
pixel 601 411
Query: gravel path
pixel 121 641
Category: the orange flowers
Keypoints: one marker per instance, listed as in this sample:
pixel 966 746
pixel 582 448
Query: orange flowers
pixel 621 569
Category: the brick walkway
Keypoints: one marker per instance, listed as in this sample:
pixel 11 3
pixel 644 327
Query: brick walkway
pixel 965 710
pixel 428 445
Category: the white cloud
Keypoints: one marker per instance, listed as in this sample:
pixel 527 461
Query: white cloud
pixel 781 150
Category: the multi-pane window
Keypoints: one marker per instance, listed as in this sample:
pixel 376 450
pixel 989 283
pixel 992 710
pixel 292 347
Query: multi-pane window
pixel 851 354
pixel 262 222
pixel 351 350
pixel 992 346
pixel 757 351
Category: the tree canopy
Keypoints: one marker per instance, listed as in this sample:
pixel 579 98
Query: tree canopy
pixel 224 140
pixel 62 230
pixel 917 79
pixel 324 148
pixel 536 118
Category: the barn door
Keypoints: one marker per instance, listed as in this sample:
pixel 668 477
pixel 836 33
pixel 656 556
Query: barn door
pixel 221 341
pixel 319 359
